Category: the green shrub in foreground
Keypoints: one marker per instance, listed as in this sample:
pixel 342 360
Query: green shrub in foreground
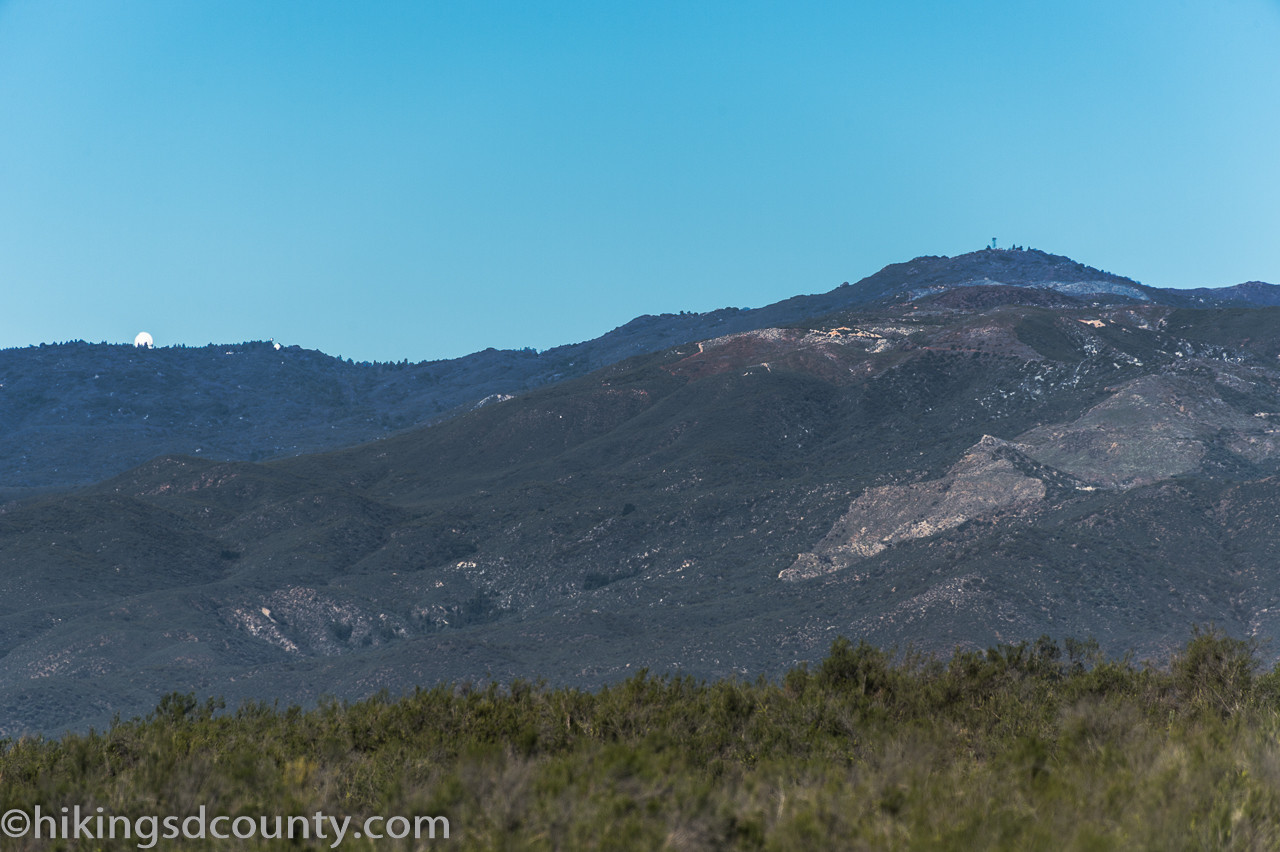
pixel 1027 746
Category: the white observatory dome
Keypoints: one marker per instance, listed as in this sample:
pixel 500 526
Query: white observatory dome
pixel 143 340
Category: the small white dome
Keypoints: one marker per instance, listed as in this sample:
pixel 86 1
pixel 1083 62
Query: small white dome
pixel 143 340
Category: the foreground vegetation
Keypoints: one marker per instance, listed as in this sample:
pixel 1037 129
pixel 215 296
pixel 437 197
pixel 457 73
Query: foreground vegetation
pixel 1031 746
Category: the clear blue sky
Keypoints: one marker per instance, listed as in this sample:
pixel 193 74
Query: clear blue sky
pixel 424 179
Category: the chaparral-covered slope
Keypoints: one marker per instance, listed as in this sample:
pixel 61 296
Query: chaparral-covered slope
pixel 923 473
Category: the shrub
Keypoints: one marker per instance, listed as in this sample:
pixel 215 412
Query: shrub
pixel 1214 671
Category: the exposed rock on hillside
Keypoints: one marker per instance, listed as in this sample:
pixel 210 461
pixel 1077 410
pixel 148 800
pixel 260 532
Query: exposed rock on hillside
pixel 983 484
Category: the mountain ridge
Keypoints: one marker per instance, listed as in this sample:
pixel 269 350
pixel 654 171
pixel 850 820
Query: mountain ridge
pixel 75 413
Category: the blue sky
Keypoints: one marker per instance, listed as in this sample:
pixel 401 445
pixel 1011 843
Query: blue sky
pixel 422 180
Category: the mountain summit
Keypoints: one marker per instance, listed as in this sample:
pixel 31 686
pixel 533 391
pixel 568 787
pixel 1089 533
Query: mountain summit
pixel 1026 268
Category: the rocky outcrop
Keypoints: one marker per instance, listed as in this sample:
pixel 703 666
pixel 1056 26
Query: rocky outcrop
pixel 985 482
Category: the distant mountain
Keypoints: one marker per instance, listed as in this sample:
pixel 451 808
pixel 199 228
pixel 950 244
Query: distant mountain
pixel 75 413
pixel 931 467
pixel 1248 293
pixel 903 282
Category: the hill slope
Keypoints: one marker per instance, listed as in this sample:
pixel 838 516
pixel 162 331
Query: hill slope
pixel 916 472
